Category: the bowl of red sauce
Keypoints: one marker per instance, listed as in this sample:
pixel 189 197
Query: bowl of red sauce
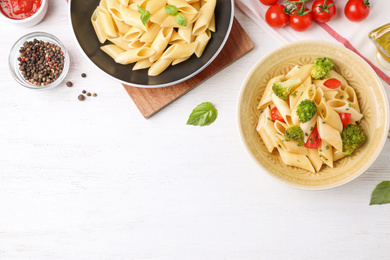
pixel 23 12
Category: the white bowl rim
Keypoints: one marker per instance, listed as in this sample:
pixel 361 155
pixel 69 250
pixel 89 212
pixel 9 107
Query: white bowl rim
pixel 289 45
pixel 157 85
pixel 28 19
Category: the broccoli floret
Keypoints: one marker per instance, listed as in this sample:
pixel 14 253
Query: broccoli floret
pixel 295 133
pixel 321 68
pixel 352 137
pixel 283 89
pixel 306 110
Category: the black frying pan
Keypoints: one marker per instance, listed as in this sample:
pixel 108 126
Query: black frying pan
pixel 80 14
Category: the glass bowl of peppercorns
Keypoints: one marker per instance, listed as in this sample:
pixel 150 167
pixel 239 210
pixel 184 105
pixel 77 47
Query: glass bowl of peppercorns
pixel 39 60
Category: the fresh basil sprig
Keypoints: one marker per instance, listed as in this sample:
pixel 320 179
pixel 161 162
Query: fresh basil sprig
pixel 179 18
pixel 145 15
pixel 381 193
pixel 204 114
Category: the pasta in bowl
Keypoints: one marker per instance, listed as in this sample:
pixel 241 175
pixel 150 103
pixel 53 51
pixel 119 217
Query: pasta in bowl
pixel 315 163
pixel 151 43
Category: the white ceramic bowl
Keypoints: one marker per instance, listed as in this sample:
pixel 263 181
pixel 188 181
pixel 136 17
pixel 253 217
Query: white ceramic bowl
pixel 372 100
pixel 32 20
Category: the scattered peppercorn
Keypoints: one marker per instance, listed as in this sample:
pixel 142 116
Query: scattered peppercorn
pixel 83 75
pixel 69 84
pixel 81 97
pixel 83 91
pixel 94 94
pixel 88 94
pixel 40 63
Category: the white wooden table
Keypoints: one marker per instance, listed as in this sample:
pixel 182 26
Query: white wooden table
pixel 95 180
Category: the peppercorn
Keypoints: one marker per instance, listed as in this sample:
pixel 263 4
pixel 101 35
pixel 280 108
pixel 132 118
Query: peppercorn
pixel 81 97
pixel 88 94
pixel 83 91
pixel 36 60
pixel 83 75
pixel 69 84
pixel 94 94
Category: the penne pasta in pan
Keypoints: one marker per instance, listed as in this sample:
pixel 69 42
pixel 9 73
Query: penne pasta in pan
pixel 154 34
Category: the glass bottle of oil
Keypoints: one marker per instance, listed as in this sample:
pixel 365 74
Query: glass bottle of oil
pixel 381 39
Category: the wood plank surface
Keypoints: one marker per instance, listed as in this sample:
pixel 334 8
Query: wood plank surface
pixel 151 100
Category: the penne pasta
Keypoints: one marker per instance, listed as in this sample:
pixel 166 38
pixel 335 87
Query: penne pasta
pixel 106 23
pixel 342 106
pixel 155 5
pixel 142 64
pixel 176 51
pixel 142 31
pixel 102 36
pixel 206 13
pixel 202 40
pixel 322 132
pixel 297 160
pixel 282 106
pixel 159 66
pixel 118 41
pixel 330 116
pixel 151 34
pixel 315 159
pixel 291 146
pixel 161 42
pixel 329 134
pixel 180 60
pixel 134 55
pixel 325 152
pixel 266 98
pixel 112 50
pixel 132 17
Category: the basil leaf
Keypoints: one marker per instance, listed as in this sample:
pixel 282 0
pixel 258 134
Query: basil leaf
pixel 171 10
pixel 381 193
pixel 181 20
pixel 145 15
pixel 204 114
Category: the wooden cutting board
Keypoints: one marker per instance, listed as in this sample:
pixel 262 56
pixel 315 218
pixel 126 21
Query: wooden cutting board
pixel 151 100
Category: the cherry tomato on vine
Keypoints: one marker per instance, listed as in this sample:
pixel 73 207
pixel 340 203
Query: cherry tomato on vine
pixel 275 115
pixel 300 20
pixel 276 16
pixel 357 10
pixel 323 10
pixel 269 2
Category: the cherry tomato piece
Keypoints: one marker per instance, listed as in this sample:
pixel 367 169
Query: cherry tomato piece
pixel 332 83
pixel 314 140
pixel 323 10
pixel 345 118
pixel 276 16
pixel 357 10
pixel 301 22
pixel 275 115
pixel 269 2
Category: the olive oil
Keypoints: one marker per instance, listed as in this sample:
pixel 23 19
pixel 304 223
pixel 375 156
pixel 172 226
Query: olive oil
pixel 381 39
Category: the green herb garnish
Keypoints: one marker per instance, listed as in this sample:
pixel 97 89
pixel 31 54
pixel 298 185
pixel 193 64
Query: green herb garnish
pixel 204 114
pixel 171 10
pixel 179 18
pixel 381 193
pixel 145 15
